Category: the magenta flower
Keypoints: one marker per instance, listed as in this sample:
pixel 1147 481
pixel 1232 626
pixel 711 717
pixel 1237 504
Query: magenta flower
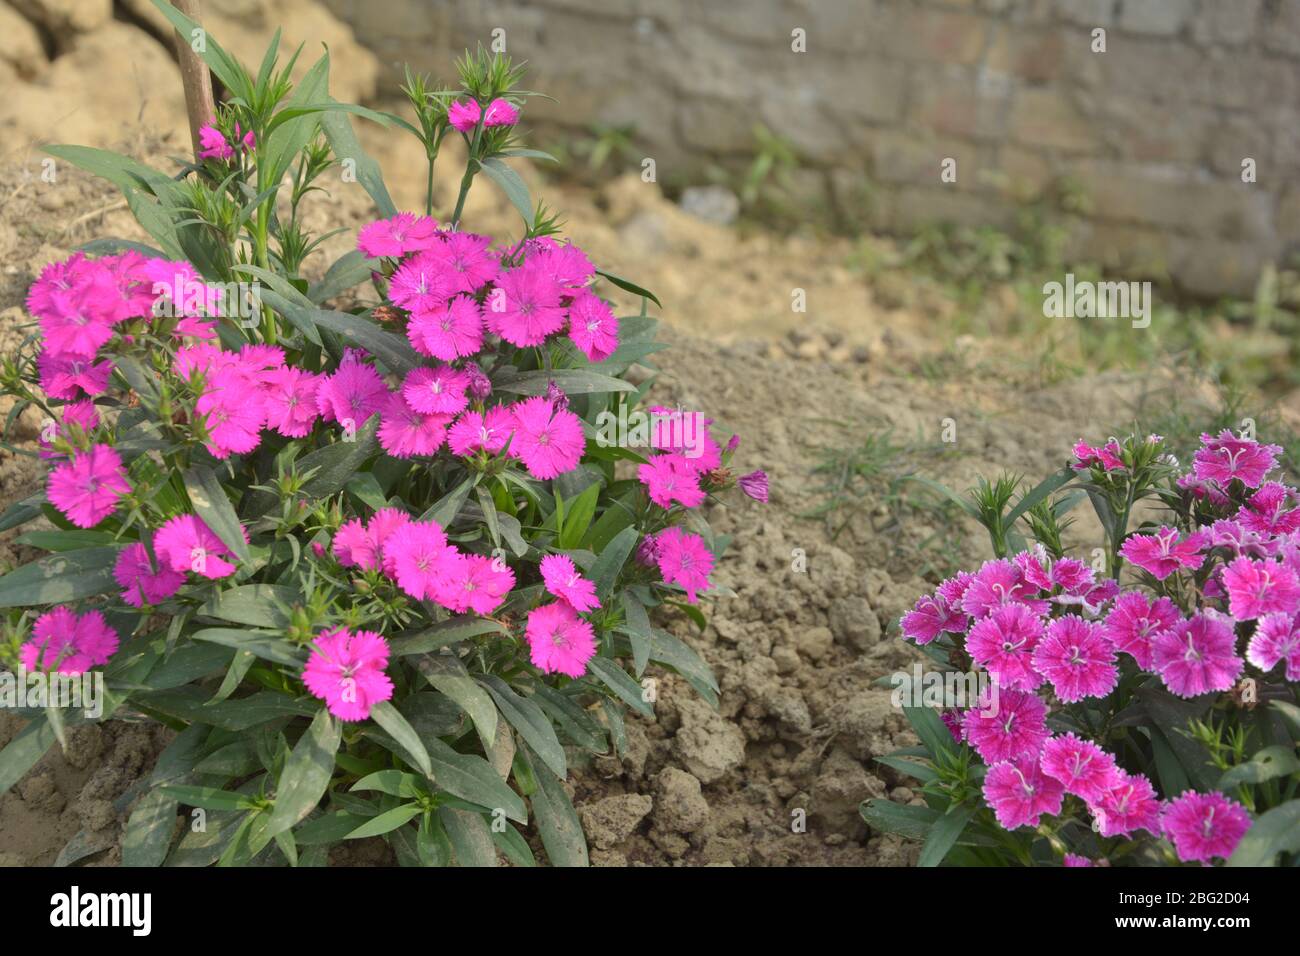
pixel 80 325
pixel 405 432
pixel 549 441
pixel 396 236
pixel 354 546
pixel 1256 588
pixel 1074 860
pixel 141 582
pixel 1077 658
pixel 436 391
pixel 290 401
pixel 500 113
pixel 1006 724
pixel 671 477
pixel 524 308
pixel 68 643
pixel 475 583
pixel 1267 511
pixel 564 581
pixel 233 411
pixel 1128 806
pixel 562 261
pixel 999 582
pixel 421 283
pixel 65 376
pixel 1019 793
pixel 754 485
pixel 1226 457
pixel 1135 620
pixel 353 393
pixel 559 641
pixel 1107 456
pixel 953 589
pixel 684 559
pixel 1162 553
pixel 593 326
pixel 488 432
pixel 467 264
pixel 1003 644
pixel 213 144
pixel 647 552
pixel 931 616
pixel 346 671
pixel 80 416
pixel 1080 766
pixel 1198 656
pixel 186 543
pixel 381 526
pixel 449 332
pixel 463 115
pixel 87 488
pixel 420 555
pixel 1276 638
pixel 1202 826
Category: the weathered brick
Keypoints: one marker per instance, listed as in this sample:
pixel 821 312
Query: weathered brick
pixel 1162 18
pixel 951 102
pixel 1034 55
pixel 1050 118
pixel 1231 23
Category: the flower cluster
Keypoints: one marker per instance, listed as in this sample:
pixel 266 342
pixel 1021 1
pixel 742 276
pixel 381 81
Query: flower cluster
pixel 1213 597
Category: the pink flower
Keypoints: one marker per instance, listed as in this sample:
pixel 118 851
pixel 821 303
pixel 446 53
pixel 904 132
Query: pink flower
pixel 684 559
pixel 1081 767
pixel 931 616
pixel 1202 826
pixel 353 393
pixel 524 308
pixel 563 580
pixel 480 386
pixel 421 283
pixel 1019 793
pixel 65 376
pixel 1267 513
pixel 592 326
pixel 953 589
pixel 559 641
pixel 464 114
pixel 562 261
pixel 1006 724
pixel 500 113
pixel 233 411
pixel 1107 456
pixel 686 434
pixel 381 526
pixel 81 415
pixel 70 644
pixel 141 582
pixel 80 324
pixel 396 236
pixel 354 546
pixel 1260 587
pixel 1162 553
pixel 1074 860
pixel 290 395
pixel 475 583
pixel 347 672
pixel 1077 658
pixel 999 582
pixel 1134 621
pixel 481 432
pixel 185 543
pixel 549 441
pixel 1003 644
pixel 1128 806
pixel 405 432
pixel 1226 457
pixel 467 264
pixel 1276 638
pixel 754 485
pixel 214 145
pixel 671 477
pixel 1197 656
pixel 436 391
pixel 420 555
pixel 449 332
pixel 87 488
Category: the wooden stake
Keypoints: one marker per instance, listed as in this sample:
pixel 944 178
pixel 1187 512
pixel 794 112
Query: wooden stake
pixel 199 104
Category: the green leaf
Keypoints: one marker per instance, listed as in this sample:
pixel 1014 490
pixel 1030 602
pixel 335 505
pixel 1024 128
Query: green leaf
pixel 557 821
pixel 440 635
pixel 394 351
pixel 60 578
pixel 343 141
pixel 264 644
pixel 472 778
pixel 1274 832
pixel 1266 764
pixel 638 630
pixel 471 841
pixel 21 753
pixel 306 774
pixel 387 717
pixel 510 183
pixel 65 540
pixel 227 68
pixel 610 563
pixel 1039 492
pixel 574 381
pixel 943 835
pixel 514 846
pixel 669 650
pixel 448 675
pixel 257 605
pixel 445 509
pixel 912 768
pixel 395 783
pixel 209 798
pixel 578 519
pixel 628 285
pixel 348 271
pixel 386 822
pixel 931 729
pixel 211 504
pixel 527 718
pixel 616 679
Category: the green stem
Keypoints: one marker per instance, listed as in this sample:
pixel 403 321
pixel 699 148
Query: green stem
pixel 470 169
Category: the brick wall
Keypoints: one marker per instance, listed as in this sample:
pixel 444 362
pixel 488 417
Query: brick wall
pixel 1153 131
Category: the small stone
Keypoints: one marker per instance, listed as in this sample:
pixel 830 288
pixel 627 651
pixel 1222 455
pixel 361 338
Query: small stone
pixel 610 821
pixel 679 805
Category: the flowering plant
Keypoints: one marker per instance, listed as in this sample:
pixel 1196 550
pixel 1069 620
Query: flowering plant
pixel 1146 716
pixel 378 568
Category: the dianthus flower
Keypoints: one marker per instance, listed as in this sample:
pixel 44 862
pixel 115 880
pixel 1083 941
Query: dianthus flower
pixel 396 236
pixel 86 489
pixel 1135 620
pixel 1020 793
pixel 1006 724
pixel 549 441
pixel 346 671
pixel 564 581
pixel 1256 588
pixel 1226 457
pixel 68 643
pixel 1078 659
pixel 1197 656
pixel 1202 826
pixel 684 559
pixel 1003 644
pixel 1082 767
pixel 559 641
pixel 142 583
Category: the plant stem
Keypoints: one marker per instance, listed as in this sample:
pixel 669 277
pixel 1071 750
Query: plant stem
pixel 468 178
